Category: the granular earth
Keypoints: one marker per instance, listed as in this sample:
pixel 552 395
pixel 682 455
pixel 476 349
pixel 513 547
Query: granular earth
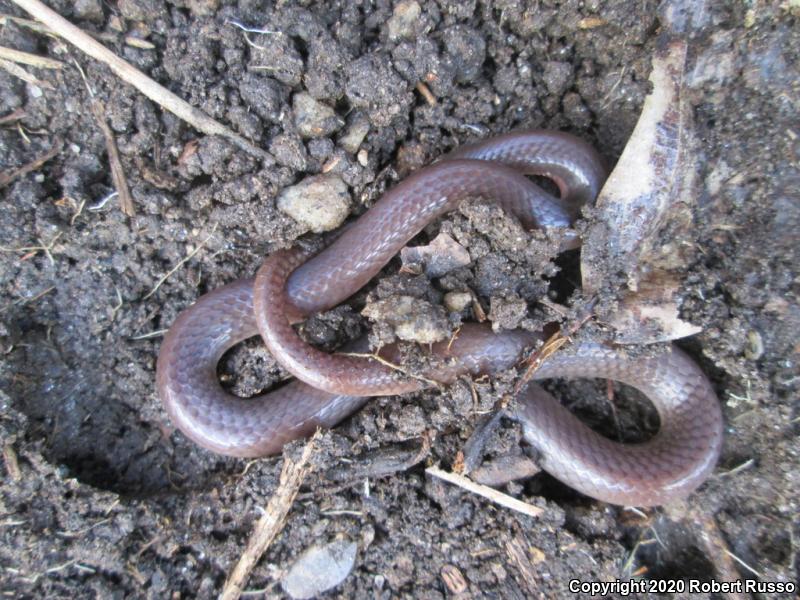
pixel 102 498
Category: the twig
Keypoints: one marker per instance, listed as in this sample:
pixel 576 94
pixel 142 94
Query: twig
pixel 486 492
pixel 716 550
pixel 117 172
pixel 271 522
pixel 552 345
pixel 114 161
pixel 626 568
pixel 426 93
pixel 11 462
pixel 180 263
pixel 471 454
pixel 20 73
pixel 516 550
pixel 744 564
pixel 151 334
pixel 392 366
pixel 24 301
pixel 15 115
pixel 42 247
pixel 139 43
pixel 6 178
pixel 737 469
pixel 32 60
pixel 127 72
pixel 32 25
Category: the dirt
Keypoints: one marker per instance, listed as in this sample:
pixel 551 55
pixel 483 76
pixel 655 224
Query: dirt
pixel 102 498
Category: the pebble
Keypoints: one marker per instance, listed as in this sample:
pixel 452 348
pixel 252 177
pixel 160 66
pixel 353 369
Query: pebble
pixel 88 10
pixel 314 119
pixel 401 23
pixel 457 301
pixel 355 133
pixel 413 319
pixel 319 569
pixel 320 202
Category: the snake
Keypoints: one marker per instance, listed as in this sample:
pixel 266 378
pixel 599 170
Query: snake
pixel 293 284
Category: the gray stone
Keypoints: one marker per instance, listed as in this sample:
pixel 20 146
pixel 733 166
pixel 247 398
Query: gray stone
pixel 319 569
pixel 457 301
pixel 314 119
pixel 413 319
pixel 401 23
pixel 355 133
pixel 320 202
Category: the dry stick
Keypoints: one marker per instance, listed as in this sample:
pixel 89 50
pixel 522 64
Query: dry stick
pixel 716 550
pixel 14 69
pixel 32 60
pixel 271 522
pixel 127 72
pixel 386 363
pixel 6 178
pixel 486 492
pixel 117 172
pixel 517 552
pixel 11 462
pixel 32 25
pixel 15 115
pixel 426 93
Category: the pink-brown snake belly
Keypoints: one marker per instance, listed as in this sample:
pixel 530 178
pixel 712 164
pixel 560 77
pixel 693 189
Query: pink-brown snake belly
pixel 333 386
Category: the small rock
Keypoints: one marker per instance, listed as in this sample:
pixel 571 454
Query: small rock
pixel 413 319
pixel 755 345
pixel 319 569
pixel 401 23
pixel 88 10
pixel 457 301
pixel 203 8
pixel 314 119
pixel 441 256
pixel 320 202
pixel 356 132
pixel 378 582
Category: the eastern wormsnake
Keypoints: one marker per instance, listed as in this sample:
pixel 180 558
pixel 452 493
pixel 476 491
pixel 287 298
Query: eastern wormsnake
pixel 330 387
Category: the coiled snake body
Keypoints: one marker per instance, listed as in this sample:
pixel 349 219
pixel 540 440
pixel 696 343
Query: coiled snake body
pixel 329 387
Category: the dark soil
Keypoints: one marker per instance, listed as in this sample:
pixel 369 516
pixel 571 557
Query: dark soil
pixel 102 498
